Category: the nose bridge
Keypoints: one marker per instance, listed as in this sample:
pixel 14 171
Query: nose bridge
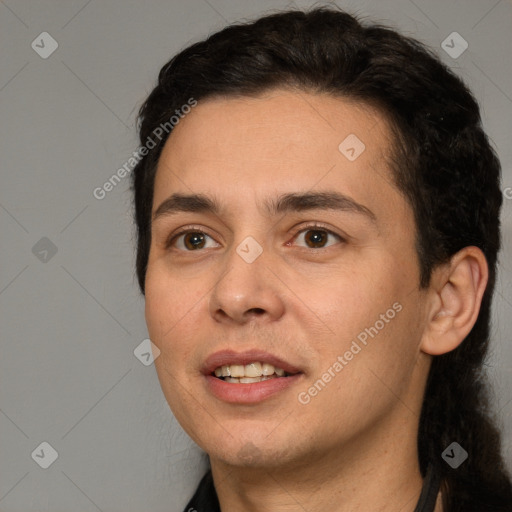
pixel 247 286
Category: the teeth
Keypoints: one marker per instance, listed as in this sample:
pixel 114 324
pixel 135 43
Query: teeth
pixel 222 371
pixel 237 370
pixel 255 370
pixel 268 369
pixel 248 380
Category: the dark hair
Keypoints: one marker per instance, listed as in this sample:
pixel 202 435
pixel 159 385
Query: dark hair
pixel 441 160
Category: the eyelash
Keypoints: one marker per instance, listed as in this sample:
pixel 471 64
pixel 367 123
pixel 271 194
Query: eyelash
pixel 197 229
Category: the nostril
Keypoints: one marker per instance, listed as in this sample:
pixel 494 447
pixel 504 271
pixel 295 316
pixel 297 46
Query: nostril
pixel 258 311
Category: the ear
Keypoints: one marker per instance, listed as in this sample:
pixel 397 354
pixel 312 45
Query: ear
pixel 455 292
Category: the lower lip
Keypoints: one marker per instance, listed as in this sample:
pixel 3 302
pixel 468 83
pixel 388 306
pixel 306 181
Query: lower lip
pixel 249 393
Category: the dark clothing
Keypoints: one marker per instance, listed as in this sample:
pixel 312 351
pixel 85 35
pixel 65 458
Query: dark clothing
pixel 205 497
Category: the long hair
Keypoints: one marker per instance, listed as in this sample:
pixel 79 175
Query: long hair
pixel 441 160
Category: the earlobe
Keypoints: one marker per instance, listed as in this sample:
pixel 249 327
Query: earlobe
pixel 456 293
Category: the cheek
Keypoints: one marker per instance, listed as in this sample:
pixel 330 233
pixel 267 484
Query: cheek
pixel 373 319
pixel 176 310
pixel 159 310
pixel 169 314
pixel 169 299
pixel 375 372
pixel 353 301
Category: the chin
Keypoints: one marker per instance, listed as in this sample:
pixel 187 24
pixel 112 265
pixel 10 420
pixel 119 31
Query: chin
pixel 249 453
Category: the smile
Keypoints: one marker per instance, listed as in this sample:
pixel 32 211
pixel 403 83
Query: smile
pixel 249 373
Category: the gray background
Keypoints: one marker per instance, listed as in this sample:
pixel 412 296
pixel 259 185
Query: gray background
pixel 71 320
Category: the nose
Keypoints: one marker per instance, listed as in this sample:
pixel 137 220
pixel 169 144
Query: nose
pixel 247 291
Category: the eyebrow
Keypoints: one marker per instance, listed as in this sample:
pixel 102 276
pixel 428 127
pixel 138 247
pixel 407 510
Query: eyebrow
pixel 291 202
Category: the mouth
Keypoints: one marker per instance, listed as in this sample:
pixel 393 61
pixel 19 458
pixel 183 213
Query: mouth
pixel 248 377
pixel 248 374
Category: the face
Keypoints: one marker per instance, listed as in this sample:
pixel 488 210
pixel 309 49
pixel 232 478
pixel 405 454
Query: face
pixel 306 263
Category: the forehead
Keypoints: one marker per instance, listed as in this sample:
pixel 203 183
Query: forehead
pixel 285 141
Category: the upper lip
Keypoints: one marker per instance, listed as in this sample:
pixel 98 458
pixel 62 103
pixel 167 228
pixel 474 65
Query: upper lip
pixel 227 357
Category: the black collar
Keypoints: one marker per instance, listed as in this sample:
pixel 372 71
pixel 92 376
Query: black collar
pixel 205 498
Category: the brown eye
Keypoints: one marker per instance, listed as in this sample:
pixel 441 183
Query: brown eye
pixel 190 241
pixel 194 240
pixel 316 238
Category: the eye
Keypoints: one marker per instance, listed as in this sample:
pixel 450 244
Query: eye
pixel 190 240
pixel 316 237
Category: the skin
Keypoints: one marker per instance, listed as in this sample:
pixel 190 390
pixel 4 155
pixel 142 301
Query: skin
pixel 354 443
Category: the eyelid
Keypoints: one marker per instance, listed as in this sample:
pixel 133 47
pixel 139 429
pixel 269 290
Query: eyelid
pixel 320 227
pixel 185 230
pixel 198 229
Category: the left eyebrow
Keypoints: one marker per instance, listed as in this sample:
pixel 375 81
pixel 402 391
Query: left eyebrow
pixel 291 202
pixel 329 200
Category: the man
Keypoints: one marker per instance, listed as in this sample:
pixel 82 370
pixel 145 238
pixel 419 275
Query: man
pixel 317 247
